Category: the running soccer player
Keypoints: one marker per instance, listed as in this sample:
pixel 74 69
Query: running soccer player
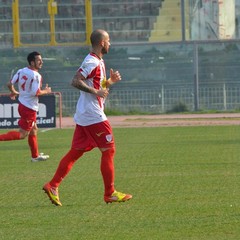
pixel 29 88
pixel 92 126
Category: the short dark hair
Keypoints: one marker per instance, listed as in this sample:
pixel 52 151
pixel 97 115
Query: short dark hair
pixel 97 36
pixel 31 56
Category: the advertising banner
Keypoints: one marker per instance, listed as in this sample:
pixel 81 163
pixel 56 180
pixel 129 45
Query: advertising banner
pixel 46 116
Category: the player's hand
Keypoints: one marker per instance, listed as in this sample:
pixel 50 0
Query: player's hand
pixel 103 93
pixel 115 76
pixel 13 95
pixel 48 89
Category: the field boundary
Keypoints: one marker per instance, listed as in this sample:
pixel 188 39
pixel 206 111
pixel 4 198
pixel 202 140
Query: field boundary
pixel 167 120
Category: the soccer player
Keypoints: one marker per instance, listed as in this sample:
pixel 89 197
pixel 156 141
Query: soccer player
pixel 92 126
pixel 29 83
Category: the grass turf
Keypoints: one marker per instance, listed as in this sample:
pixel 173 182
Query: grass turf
pixel 184 182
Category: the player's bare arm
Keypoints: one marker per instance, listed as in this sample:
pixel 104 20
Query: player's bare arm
pixel 44 91
pixel 78 82
pixel 13 92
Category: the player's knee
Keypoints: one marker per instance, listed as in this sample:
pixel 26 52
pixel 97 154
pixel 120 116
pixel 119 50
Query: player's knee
pixel 23 134
pixel 108 151
pixel 34 130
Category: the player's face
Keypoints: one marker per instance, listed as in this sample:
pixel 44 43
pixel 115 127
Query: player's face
pixel 38 62
pixel 106 44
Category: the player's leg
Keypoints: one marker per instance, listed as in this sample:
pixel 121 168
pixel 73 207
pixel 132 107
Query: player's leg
pixel 33 145
pixel 107 170
pixel 80 144
pixel 14 135
pixel 33 142
pixel 11 135
pixel 103 136
pixel 24 124
pixel 65 165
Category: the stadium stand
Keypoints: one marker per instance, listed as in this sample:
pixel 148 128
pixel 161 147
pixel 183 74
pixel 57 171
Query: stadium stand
pixel 126 21
pixel 168 25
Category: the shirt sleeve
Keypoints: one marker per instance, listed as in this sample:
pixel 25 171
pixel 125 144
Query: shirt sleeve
pixel 87 68
pixel 15 77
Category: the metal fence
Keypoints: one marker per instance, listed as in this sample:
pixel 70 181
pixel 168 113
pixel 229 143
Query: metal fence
pixel 219 97
pixel 156 78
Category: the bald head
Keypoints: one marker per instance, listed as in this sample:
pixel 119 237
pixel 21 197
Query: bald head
pixel 97 36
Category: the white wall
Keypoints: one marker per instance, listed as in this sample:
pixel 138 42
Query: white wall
pixel 212 20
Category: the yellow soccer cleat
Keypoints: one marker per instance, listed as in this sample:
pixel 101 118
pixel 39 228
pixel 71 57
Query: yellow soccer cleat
pixel 52 193
pixel 117 197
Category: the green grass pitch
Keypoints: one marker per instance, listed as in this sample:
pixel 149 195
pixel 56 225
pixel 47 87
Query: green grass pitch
pixel 184 181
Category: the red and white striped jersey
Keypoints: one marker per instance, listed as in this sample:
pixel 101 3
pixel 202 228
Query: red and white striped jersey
pixel 90 108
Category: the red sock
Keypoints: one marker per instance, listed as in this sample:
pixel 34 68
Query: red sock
pixel 65 166
pixel 107 169
pixel 33 144
pixel 12 135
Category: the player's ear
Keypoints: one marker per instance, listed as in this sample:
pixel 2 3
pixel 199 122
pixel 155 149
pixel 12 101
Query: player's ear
pixel 102 43
pixel 32 63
